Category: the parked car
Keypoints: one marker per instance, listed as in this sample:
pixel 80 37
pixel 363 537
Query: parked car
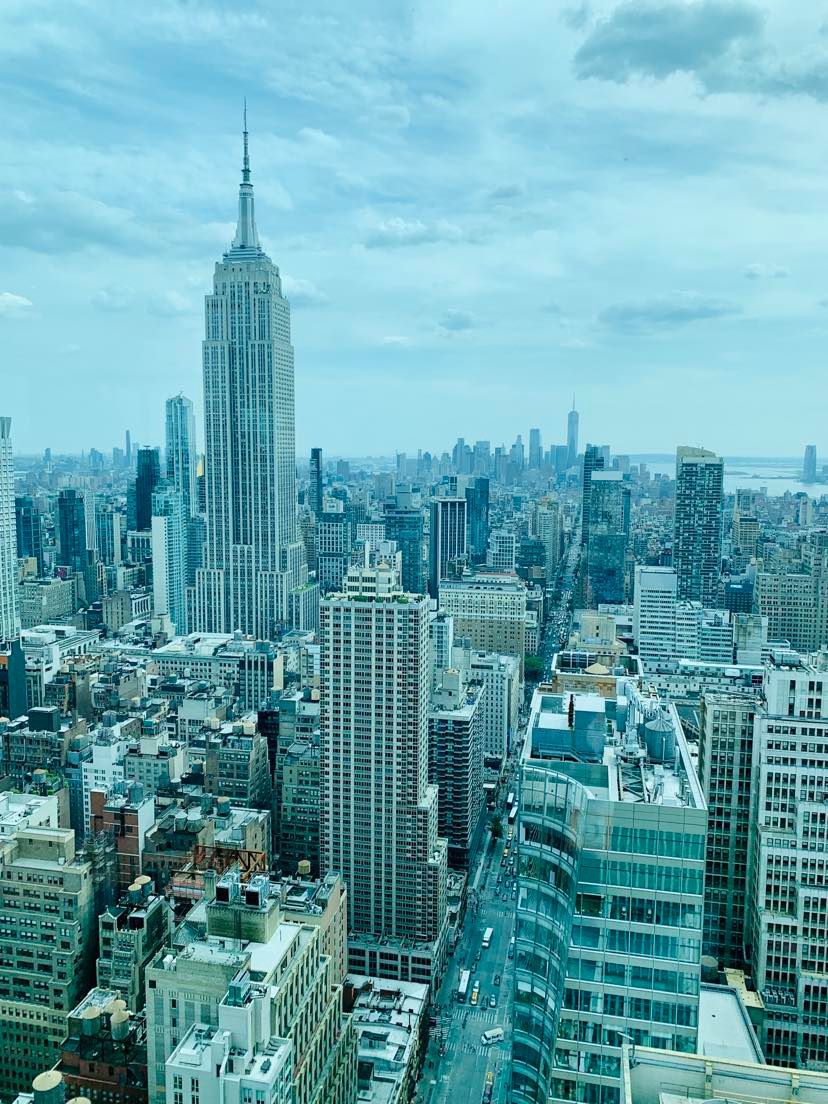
pixel 497 979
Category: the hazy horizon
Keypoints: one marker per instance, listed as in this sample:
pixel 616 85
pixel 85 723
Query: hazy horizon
pixel 474 214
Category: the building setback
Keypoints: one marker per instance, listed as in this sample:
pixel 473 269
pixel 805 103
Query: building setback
pixel 254 558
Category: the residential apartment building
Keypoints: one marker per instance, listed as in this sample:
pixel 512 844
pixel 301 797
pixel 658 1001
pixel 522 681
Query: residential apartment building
pixel 379 814
pixel 455 764
pixel 697 530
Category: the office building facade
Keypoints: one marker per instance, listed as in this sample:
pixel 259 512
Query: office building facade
pixel 785 922
pixel 610 868
pixel 71 528
pixel 725 772
pixel 29 527
pixel 147 478
pixel 609 529
pixel 447 539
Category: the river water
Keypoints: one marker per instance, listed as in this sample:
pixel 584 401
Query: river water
pixel 777 474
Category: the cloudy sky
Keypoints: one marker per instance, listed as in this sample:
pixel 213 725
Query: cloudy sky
pixel 477 208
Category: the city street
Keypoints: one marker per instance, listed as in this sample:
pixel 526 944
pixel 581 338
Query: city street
pixel 459 1075
pixel 456 1062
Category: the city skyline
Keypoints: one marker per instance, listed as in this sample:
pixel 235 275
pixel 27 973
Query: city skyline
pixel 393 250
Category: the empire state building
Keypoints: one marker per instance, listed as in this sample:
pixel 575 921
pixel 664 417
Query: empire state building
pixel 254 576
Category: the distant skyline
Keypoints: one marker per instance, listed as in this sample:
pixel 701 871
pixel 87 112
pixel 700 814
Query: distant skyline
pixel 475 211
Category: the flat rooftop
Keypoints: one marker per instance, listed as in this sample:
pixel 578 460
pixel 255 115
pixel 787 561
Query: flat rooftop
pixel 630 748
pixel 724 1028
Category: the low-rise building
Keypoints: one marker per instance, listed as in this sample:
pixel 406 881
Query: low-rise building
pixel 130 935
pixel 104 1056
pixel 391 1026
pixel 239 934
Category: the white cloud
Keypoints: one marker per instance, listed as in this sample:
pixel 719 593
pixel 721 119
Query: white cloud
pixel 113 298
pixel 764 271
pixel 397 231
pixel 170 304
pixel 303 293
pixel 14 306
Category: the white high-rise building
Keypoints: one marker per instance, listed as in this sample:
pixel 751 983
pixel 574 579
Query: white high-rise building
pixel 548 528
pixel 787 903
pixel 378 812
pixel 254 558
pixel 9 619
pixel 169 557
pixel 654 613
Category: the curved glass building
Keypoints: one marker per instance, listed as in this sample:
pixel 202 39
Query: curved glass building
pixel 611 837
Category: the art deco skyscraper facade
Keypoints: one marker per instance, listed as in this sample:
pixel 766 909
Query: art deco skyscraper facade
pixel 254 558
pixel 9 621
pixel 697 533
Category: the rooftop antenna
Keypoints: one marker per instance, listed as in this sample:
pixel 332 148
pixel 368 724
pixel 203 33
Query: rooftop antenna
pixel 246 162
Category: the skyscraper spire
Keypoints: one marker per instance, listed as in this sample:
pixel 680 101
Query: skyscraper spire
pixel 247 237
pixel 246 161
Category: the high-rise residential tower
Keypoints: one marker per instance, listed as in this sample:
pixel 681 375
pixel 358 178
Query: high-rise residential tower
pixel 254 558
pixel 572 435
pixel 180 450
pixel 9 619
pixel 379 815
pixel 697 532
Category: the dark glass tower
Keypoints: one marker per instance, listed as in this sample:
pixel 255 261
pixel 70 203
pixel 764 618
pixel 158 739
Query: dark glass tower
pixel 477 502
pixel 315 499
pixel 29 526
pixel 148 475
pixel 72 529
